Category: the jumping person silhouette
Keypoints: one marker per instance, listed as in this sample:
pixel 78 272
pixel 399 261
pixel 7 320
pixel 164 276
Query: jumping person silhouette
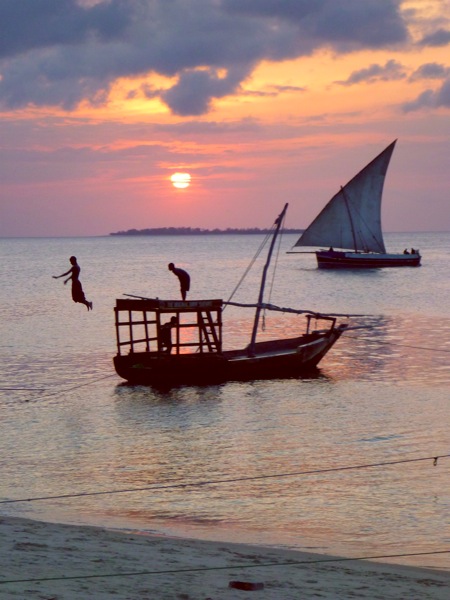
pixel 77 289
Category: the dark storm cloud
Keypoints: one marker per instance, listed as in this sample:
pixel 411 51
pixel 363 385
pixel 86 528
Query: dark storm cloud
pixel 341 23
pixel 195 89
pixel 59 52
pixel 443 96
pixel 431 99
pixel 430 71
pixel 32 24
pixel 391 71
pixel 441 37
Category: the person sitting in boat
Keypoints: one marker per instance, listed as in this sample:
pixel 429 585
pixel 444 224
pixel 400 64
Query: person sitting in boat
pixel 413 251
pixel 165 336
pixel 405 251
pixel 184 278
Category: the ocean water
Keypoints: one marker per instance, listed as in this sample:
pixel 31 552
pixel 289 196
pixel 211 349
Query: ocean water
pixel 100 452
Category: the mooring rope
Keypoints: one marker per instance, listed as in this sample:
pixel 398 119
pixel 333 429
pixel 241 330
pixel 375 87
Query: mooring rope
pixel 290 563
pixel 167 486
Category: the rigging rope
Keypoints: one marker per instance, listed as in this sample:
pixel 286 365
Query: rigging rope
pixel 277 256
pixel 347 335
pixel 361 218
pixel 78 386
pixel 372 341
pixel 252 262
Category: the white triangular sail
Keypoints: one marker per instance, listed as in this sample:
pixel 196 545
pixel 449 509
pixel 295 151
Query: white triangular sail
pixel 352 218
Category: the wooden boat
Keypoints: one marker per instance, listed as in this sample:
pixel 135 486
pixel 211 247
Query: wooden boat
pixel 351 222
pixel 196 355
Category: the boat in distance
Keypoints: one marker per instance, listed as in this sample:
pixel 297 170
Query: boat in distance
pixel 351 222
pixel 173 342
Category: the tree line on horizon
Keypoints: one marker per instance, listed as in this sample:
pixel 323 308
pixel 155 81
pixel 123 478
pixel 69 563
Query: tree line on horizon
pixel 197 231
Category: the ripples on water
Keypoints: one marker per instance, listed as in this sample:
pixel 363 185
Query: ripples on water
pixel 380 395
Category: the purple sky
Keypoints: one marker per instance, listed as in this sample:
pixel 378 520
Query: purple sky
pixel 262 101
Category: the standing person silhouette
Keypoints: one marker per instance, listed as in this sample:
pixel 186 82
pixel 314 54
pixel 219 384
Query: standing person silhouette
pixel 77 290
pixel 183 276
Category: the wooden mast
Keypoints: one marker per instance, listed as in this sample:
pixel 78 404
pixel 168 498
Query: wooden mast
pixel 278 223
pixel 350 217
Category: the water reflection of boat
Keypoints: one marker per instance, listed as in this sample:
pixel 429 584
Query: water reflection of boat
pixel 195 354
pixel 351 221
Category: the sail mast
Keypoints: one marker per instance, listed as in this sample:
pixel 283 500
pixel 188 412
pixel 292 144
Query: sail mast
pixel 350 218
pixel 278 223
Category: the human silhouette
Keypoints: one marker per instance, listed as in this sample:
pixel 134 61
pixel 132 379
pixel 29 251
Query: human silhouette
pixel 165 336
pixel 183 276
pixel 77 289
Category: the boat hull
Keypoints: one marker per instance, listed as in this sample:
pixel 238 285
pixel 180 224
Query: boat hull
pixel 269 360
pixel 360 260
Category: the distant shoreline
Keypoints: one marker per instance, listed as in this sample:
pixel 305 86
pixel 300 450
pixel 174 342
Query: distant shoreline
pixel 199 231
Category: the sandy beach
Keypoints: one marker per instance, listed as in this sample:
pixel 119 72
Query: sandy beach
pixel 50 561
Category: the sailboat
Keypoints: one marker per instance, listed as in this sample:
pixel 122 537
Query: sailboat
pixel 194 353
pixel 350 224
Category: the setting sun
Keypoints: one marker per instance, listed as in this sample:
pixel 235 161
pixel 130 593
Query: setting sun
pixel 180 180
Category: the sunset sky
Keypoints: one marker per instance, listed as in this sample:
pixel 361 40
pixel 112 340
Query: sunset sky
pixel 262 102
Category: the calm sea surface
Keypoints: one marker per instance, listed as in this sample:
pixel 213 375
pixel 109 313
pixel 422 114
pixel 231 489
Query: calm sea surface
pixel 69 425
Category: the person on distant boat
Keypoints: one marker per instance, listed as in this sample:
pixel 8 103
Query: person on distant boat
pixel 405 251
pixel 165 336
pixel 77 289
pixel 413 251
pixel 184 278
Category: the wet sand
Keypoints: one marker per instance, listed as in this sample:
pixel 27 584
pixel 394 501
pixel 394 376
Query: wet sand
pixel 49 561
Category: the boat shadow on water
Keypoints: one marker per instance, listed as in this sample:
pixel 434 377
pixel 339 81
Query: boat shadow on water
pixel 169 390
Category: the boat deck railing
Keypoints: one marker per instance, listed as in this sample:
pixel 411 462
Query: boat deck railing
pixel 195 326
